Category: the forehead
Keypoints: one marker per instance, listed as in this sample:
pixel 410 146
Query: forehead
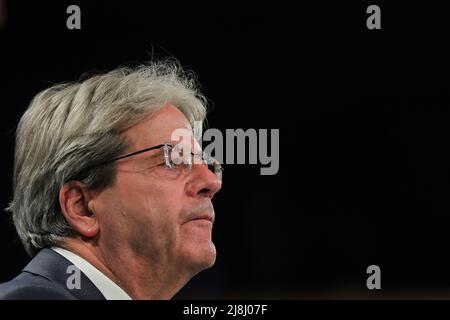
pixel 157 128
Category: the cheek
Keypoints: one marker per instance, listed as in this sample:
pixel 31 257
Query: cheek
pixel 157 203
pixel 146 215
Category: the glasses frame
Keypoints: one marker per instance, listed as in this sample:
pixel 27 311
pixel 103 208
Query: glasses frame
pixel 206 159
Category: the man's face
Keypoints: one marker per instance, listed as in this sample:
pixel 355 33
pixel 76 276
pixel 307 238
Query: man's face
pixel 153 212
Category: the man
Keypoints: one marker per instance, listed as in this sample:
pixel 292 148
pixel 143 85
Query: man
pixel 105 199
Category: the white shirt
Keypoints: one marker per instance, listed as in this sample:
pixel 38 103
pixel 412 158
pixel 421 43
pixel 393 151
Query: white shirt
pixel 107 287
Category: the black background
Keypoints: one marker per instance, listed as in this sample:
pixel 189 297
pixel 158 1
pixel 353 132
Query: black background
pixel 363 118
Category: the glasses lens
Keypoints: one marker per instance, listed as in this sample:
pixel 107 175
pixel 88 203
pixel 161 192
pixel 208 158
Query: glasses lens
pixel 175 158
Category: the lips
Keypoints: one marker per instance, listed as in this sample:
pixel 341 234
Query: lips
pixel 207 217
pixel 204 212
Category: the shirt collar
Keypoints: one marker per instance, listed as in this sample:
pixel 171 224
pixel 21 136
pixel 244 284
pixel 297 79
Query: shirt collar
pixel 107 287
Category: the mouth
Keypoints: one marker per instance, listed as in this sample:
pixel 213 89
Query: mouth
pixel 203 213
pixel 206 217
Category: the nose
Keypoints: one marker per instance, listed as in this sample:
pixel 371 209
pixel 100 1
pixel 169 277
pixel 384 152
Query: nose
pixel 202 182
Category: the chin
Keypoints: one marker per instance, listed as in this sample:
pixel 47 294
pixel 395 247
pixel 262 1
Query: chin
pixel 211 256
pixel 202 257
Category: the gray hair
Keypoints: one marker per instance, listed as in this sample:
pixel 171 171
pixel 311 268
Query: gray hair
pixel 71 126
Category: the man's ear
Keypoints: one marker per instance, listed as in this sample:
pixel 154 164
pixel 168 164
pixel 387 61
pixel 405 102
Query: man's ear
pixel 74 201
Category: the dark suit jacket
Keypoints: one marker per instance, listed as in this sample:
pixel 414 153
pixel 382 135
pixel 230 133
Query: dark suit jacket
pixel 45 277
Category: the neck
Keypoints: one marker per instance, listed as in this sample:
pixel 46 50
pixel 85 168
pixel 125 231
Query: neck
pixel 136 277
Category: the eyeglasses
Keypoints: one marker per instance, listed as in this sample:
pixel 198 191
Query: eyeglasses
pixel 174 158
